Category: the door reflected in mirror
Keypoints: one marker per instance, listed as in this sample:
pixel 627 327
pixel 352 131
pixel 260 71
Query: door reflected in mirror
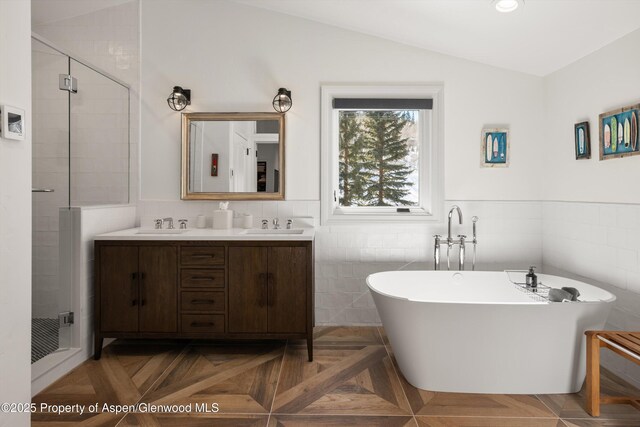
pixel 233 156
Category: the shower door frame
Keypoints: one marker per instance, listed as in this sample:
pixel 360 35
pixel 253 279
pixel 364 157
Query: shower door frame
pixel 74 336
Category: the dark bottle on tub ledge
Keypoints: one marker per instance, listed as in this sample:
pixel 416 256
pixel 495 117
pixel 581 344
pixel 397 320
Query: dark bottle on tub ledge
pixel 532 279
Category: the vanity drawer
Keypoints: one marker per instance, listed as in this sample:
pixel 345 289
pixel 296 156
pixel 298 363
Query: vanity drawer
pixel 202 256
pixel 202 301
pixel 203 323
pixel 192 278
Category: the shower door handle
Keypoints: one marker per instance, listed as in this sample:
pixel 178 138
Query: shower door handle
pixel 42 190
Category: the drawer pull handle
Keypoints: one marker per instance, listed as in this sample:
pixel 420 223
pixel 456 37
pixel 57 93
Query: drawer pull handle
pixel 201 324
pixel 202 301
pixel 134 291
pixel 203 278
pixel 203 255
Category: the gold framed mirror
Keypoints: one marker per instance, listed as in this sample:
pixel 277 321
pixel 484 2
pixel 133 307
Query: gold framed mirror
pixel 233 156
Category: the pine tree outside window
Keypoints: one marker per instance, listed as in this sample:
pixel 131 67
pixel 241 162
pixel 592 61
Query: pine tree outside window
pixel 382 154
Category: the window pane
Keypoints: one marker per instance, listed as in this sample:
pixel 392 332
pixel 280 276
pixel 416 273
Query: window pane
pixel 378 158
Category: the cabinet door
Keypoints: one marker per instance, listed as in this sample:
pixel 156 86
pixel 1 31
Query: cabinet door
pixel 248 289
pixel 158 289
pixel 119 297
pixel 287 289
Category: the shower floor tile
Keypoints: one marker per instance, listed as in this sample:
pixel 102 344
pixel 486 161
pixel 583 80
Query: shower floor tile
pixel 353 381
pixel 44 338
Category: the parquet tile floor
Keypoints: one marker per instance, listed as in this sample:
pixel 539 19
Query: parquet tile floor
pixel 353 381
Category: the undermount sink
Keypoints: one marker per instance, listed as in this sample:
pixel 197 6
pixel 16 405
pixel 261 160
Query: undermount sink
pixel 160 231
pixel 274 231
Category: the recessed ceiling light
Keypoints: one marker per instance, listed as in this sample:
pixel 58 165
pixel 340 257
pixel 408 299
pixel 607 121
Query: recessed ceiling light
pixel 506 6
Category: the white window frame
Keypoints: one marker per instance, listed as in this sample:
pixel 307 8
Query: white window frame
pixel 431 162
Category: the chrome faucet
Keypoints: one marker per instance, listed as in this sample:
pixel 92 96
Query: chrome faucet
pixel 183 224
pixel 265 224
pixel 461 240
pixel 276 223
pixel 436 252
pixel 474 219
pixel 158 224
pixel 289 224
pixel 170 222
pixel 462 252
pixel 449 239
pixel 454 207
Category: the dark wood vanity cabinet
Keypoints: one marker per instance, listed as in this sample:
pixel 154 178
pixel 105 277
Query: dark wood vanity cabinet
pixel 203 290
pixel 138 288
pixel 264 289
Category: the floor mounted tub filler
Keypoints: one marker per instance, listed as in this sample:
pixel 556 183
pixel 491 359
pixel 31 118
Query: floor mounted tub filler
pixel 485 332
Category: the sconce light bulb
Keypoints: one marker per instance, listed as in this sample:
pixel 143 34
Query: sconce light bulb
pixel 179 98
pixel 282 101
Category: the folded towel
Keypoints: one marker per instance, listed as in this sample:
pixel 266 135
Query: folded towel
pixel 560 295
pixel 572 291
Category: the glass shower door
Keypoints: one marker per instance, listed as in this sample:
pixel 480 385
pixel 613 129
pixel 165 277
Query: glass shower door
pixel 99 139
pixel 51 280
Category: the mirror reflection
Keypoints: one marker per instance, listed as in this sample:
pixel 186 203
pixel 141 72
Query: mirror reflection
pixel 236 153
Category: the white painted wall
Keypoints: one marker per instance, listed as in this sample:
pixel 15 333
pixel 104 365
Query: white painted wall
pixel 600 82
pixel 15 213
pixel 235 57
pixel 599 240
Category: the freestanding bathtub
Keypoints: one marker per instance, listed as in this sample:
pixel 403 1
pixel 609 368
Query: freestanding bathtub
pixel 478 332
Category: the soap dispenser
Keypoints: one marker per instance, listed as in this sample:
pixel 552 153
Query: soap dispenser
pixel 532 279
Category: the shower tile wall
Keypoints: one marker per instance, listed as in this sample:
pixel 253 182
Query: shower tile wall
pixel 109 39
pixel 508 233
pixel 599 243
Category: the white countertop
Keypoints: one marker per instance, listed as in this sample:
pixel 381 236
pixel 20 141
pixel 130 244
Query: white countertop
pixel 207 234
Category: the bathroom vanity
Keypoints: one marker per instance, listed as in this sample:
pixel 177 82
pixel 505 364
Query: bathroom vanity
pixel 204 284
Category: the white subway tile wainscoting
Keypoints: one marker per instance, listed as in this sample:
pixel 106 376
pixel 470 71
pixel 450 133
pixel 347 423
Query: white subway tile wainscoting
pixel 599 243
pixel 509 236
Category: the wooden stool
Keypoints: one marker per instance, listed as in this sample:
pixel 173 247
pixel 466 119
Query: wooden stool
pixel 627 345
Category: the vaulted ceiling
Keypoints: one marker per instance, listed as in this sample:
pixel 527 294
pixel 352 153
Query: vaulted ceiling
pixel 538 38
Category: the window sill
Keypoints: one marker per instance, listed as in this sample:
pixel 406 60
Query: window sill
pixel 373 218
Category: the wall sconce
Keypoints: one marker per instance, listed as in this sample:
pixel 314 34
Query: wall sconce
pixel 282 101
pixel 179 98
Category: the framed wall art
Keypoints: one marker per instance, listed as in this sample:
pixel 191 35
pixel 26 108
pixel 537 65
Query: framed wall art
pixel 12 122
pixel 494 148
pixel 619 133
pixel 582 140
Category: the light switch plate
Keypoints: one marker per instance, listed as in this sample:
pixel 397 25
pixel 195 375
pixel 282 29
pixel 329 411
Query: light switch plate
pixel 12 123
